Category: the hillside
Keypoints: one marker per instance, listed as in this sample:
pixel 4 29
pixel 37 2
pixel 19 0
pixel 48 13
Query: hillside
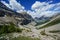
pixel 53 21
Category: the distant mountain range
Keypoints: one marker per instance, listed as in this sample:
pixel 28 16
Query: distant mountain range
pixel 44 19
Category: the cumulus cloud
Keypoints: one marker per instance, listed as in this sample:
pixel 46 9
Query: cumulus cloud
pixel 13 4
pixel 38 8
pixel 45 8
pixel 32 13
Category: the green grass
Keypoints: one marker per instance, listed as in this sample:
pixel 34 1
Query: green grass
pixel 20 38
pixel 24 38
pixel 9 28
pixel 50 24
pixel 54 31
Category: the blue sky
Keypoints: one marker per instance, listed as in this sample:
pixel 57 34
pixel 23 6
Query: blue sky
pixel 36 8
pixel 28 3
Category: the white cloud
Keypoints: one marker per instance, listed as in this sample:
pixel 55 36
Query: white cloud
pixel 38 8
pixel 45 8
pixel 32 13
pixel 13 4
pixel 20 11
pixel 38 4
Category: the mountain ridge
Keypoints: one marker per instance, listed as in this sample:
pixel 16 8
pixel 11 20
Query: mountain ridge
pixel 4 10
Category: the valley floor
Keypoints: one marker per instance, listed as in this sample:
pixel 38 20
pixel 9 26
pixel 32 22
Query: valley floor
pixel 44 33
